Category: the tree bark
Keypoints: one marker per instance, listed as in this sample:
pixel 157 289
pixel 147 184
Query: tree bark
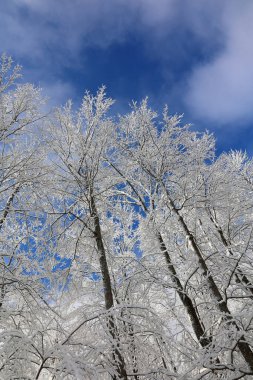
pixel 220 302
pixel 240 277
pixel 108 294
pixel 8 205
pixel 185 299
pixel 2 220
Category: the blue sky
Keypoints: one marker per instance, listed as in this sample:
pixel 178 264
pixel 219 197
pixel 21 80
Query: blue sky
pixel 194 55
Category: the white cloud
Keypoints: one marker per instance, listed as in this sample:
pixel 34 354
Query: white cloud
pixel 47 36
pixel 221 90
pixel 57 93
pixel 52 34
pixel 64 28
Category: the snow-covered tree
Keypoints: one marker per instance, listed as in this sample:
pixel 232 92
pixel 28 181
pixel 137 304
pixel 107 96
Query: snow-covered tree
pixel 126 245
pixel 23 307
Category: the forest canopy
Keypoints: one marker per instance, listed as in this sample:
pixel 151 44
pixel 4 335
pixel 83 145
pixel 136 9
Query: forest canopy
pixel 126 244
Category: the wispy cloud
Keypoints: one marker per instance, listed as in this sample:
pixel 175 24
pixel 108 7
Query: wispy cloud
pixel 65 28
pixel 221 90
pixel 203 49
pixel 61 29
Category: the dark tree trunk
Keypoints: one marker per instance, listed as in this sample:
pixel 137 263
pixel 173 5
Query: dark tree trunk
pixel 185 299
pixel 108 295
pixel 8 206
pixel 2 220
pixel 240 277
pixel 220 302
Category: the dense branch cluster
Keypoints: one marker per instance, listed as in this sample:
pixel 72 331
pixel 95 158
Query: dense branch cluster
pixel 126 245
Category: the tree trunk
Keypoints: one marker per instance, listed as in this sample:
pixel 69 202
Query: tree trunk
pixel 240 277
pixel 8 205
pixel 220 302
pixel 108 295
pixel 2 220
pixel 185 299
